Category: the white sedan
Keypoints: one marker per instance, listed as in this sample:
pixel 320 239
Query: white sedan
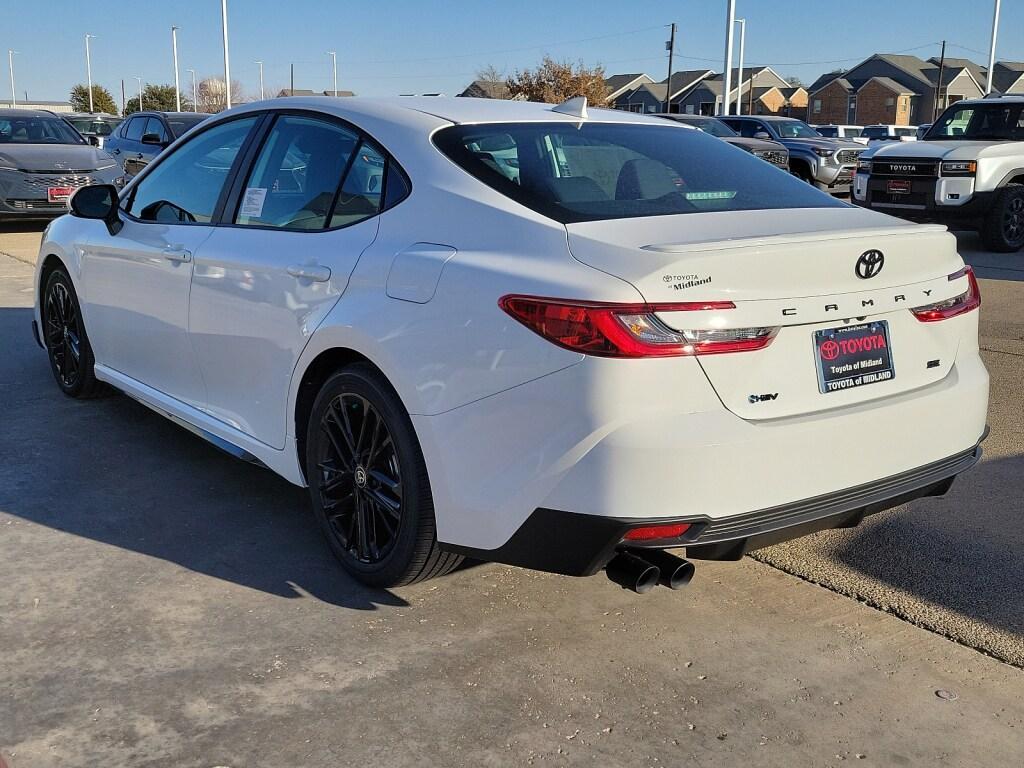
pixel 530 334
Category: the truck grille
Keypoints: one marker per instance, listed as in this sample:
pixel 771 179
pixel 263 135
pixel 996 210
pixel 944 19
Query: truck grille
pixel 36 205
pixel 904 168
pixel 848 156
pixel 774 156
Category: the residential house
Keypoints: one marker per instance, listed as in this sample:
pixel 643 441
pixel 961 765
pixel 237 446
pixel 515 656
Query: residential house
pixel 1008 77
pixel 892 89
pixel 705 97
pixel 619 85
pixel 486 89
pixel 650 96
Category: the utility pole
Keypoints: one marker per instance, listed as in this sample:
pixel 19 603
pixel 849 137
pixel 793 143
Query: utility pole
pixel 334 67
pixel 291 89
pixel 938 86
pixel 177 86
pixel 195 95
pixel 122 97
pixel 671 45
pixel 140 92
pixel 739 85
pixel 10 63
pixel 730 18
pixel 227 58
pixel 88 69
pixel 261 80
pixel 992 49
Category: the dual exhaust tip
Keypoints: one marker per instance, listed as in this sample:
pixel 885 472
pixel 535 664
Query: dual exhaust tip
pixel 642 572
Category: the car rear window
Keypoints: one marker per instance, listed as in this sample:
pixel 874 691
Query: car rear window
pixel 574 172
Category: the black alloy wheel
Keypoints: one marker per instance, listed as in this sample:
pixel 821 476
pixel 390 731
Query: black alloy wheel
pixel 65 339
pixel 368 482
pixel 1003 228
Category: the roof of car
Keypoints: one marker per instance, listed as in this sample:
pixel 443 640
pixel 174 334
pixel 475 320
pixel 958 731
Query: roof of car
pixel 6 112
pixel 453 110
pixel 94 115
pixel 147 112
pixel 766 118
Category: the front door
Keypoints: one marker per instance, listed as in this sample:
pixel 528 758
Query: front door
pixel 136 283
pixel 297 226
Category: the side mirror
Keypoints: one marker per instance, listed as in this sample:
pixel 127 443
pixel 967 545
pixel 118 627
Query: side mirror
pixel 153 138
pixel 94 140
pixel 98 201
pixel 763 136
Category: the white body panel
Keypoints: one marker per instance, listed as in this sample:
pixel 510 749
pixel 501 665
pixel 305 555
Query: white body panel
pixel 507 421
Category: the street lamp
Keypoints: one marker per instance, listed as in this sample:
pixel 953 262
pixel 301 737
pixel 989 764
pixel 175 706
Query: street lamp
pixel 261 79
pixel 195 100
pixel 140 92
pixel 10 64
pixel 177 88
pixel 227 58
pixel 334 67
pixel 992 48
pixel 739 85
pixel 88 68
pixel 730 11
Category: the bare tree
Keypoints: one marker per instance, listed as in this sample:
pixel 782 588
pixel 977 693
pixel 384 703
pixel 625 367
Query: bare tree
pixel 491 74
pixel 555 81
pixel 211 94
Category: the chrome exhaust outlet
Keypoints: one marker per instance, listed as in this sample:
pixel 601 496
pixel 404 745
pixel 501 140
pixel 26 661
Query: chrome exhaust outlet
pixel 632 572
pixel 674 572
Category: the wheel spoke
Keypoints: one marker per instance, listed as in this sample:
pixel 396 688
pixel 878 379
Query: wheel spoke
pixel 345 425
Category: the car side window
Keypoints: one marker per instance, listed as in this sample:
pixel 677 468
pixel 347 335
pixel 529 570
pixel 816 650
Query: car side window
pixel 748 128
pixel 360 195
pixel 156 126
pixel 875 132
pixel 185 185
pixel 133 131
pixel 296 176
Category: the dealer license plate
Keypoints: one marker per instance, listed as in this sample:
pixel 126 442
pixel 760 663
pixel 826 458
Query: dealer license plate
pixel 853 356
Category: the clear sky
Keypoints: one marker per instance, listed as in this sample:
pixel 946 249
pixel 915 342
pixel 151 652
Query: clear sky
pixel 414 46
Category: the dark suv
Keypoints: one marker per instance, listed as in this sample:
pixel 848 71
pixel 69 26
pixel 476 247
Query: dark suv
pixel 770 151
pixel 144 135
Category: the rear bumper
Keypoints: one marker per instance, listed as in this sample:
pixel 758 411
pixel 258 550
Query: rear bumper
pixel 580 545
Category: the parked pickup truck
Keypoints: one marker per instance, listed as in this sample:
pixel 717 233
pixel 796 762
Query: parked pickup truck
pixel 829 164
pixel 967 171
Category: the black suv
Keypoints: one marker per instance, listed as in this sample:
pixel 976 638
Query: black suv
pixel 144 135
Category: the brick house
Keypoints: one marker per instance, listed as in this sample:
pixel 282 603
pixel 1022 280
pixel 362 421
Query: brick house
pixel 892 89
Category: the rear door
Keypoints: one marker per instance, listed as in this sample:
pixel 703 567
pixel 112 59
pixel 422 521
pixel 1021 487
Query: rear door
pixel 298 221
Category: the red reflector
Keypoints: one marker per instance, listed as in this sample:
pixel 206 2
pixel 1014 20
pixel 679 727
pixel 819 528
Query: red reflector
pixel 650 532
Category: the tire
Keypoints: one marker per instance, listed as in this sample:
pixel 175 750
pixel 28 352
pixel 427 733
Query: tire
pixel 65 339
pixel 802 172
pixel 1003 228
pixel 368 482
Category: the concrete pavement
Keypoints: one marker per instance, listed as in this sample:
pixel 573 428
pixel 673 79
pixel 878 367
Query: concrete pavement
pixel 165 605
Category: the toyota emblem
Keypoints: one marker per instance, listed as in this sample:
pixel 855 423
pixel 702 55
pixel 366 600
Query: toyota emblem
pixel 870 264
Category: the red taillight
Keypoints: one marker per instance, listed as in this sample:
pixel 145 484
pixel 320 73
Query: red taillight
pixel 943 310
pixel 629 330
pixel 652 532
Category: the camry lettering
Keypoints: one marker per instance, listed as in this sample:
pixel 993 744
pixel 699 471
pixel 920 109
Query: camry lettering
pixel 897 298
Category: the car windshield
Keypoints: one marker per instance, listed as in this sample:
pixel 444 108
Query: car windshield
pixel 795 129
pixel 575 172
pixel 94 126
pixel 37 130
pixel 180 124
pixel 712 126
pixel 979 122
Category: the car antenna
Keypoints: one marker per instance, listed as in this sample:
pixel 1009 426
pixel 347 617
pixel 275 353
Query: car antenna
pixel 576 106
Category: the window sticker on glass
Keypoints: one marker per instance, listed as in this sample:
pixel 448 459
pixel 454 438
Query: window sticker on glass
pixel 252 203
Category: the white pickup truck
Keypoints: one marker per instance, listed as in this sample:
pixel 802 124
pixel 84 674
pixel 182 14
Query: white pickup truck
pixel 967 171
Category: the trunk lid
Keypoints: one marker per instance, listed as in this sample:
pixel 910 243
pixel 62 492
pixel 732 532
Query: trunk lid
pixel 795 270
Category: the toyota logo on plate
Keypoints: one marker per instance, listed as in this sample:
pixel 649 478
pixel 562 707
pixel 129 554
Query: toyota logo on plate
pixel 870 264
pixel 830 350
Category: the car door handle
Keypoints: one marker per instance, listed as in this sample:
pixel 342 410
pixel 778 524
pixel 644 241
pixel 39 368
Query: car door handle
pixel 174 254
pixel 310 272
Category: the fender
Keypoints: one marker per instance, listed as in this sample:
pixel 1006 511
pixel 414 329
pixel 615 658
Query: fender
pixel 1014 174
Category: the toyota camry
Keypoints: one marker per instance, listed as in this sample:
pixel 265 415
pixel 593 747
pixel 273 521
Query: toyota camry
pixel 548 336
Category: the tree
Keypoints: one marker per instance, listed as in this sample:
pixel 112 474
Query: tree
pixel 210 94
pixel 491 74
pixel 102 101
pixel 795 81
pixel 555 81
pixel 159 98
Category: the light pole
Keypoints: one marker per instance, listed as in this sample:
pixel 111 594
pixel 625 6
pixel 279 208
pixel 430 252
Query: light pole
pixel 730 17
pixel 334 67
pixel 140 92
pixel 10 63
pixel 261 79
pixel 177 88
pixel 739 85
pixel 195 100
pixel 88 68
pixel 227 58
pixel 992 48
